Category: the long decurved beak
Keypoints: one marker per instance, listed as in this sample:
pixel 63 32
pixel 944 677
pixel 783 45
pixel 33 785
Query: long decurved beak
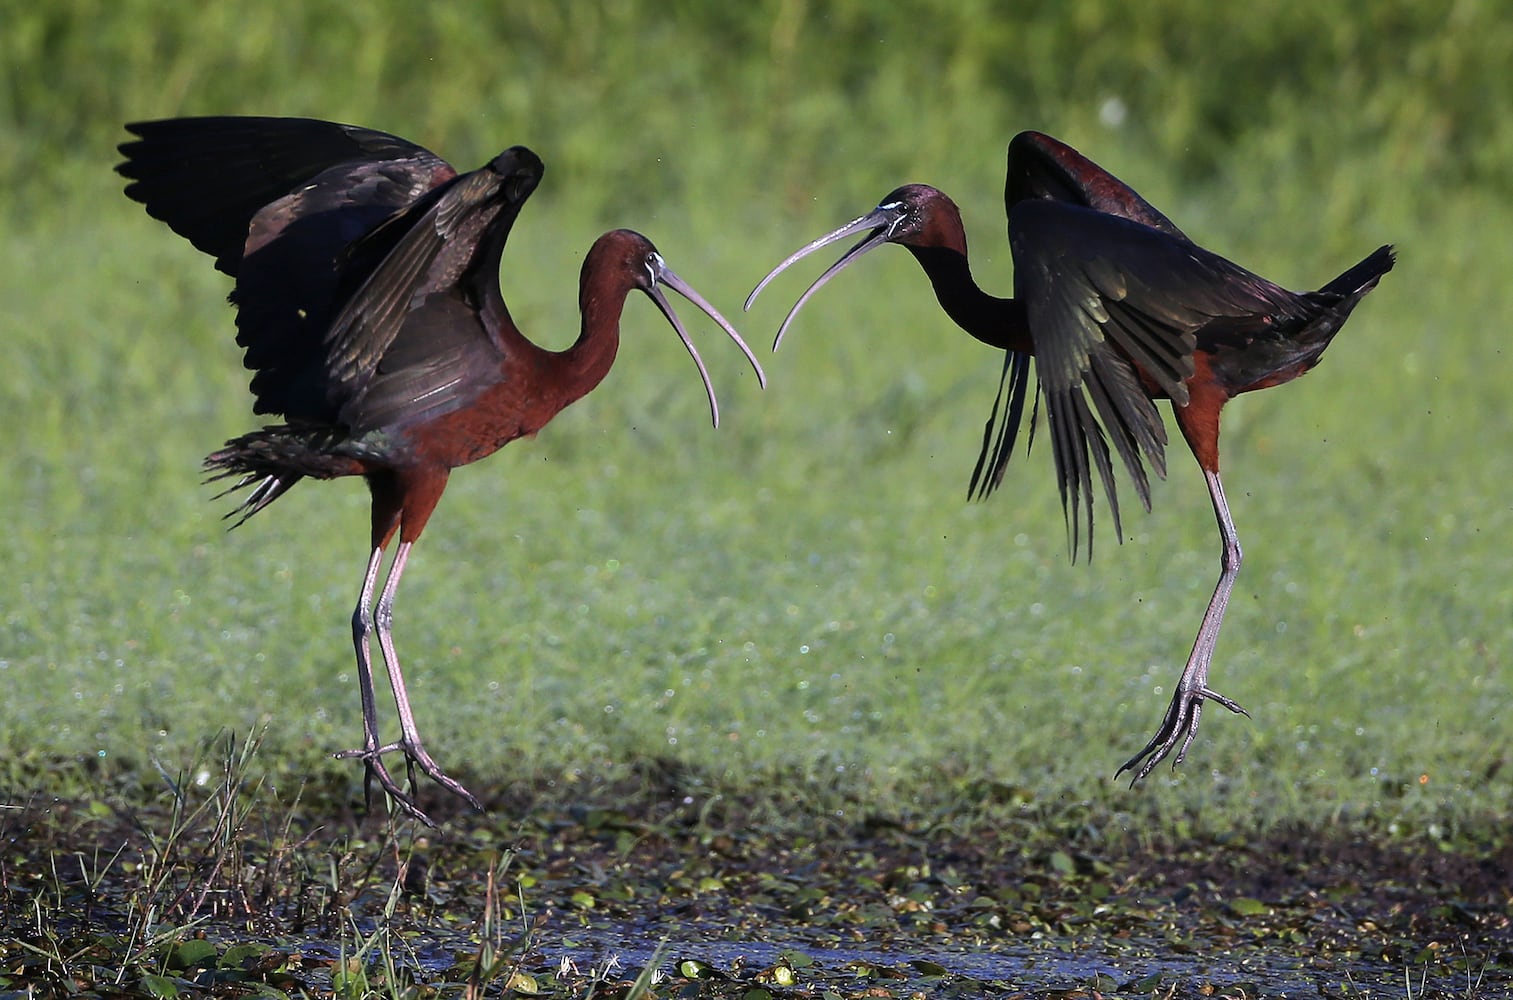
pixel 664 275
pixel 878 224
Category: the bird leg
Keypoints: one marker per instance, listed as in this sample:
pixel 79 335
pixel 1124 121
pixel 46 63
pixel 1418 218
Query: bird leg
pixel 370 754
pixel 409 732
pixel 364 624
pixel 1181 722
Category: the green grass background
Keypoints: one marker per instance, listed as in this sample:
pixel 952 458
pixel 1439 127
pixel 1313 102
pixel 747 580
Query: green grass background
pixel 799 606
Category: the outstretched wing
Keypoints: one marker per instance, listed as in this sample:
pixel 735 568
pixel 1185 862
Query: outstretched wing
pixel 286 206
pixel 207 178
pixel 415 339
pixel 1115 308
pixel 1044 168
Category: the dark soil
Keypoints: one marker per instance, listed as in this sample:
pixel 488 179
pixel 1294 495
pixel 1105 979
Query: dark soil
pixel 724 898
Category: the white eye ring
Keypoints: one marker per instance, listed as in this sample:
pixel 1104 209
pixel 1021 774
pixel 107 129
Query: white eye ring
pixel 654 266
pixel 898 207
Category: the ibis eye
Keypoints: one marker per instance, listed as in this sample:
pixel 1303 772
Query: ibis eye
pixel 899 211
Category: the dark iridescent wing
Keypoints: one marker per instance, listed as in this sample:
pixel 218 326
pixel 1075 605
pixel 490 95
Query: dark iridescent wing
pixel 414 339
pixel 287 206
pixel 1047 169
pixel 1110 300
pixel 1042 168
pixel 439 361
pixel 207 178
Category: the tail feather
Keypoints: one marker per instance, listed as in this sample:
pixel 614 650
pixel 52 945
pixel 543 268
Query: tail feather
pixel 1362 278
pixel 268 489
pixel 270 461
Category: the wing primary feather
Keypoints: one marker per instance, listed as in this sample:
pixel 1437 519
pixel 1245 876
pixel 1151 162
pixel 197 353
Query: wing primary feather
pixel 1122 430
pixel 1152 347
pixel 1070 445
pixel 1092 433
pixel 997 448
pixel 988 444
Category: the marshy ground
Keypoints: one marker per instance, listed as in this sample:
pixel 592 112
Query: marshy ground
pixel 220 889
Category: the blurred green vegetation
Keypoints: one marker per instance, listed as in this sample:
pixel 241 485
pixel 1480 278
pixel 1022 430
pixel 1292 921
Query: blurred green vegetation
pixel 672 95
pixel 804 591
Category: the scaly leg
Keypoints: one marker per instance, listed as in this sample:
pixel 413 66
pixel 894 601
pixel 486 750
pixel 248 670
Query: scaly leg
pixel 1181 722
pixel 409 733
pixel 371 753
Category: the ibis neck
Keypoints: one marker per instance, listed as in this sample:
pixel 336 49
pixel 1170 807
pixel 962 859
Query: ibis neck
pixel 592 355
pixel 997 322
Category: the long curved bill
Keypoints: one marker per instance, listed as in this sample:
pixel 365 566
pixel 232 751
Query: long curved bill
pixel 880 221
pixel 664 275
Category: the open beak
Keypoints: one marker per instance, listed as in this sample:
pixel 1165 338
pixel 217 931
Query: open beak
pixel 879 225
pixel 664 275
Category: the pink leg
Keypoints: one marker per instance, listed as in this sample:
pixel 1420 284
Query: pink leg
pixel 365 623
pixel 1181 722
pixel 361 626
pixel 409 733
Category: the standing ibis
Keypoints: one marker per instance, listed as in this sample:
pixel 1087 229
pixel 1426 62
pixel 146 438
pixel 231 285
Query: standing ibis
pixel 368 304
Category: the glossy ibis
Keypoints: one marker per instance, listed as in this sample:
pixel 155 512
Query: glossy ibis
pixel 368 303
pixel 1120 308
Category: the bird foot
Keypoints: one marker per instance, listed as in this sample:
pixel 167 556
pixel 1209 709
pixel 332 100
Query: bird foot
pixel 1180 724
pixel 415 757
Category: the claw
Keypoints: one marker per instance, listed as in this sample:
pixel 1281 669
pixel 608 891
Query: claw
pixel 1181 723
pixel 1233 706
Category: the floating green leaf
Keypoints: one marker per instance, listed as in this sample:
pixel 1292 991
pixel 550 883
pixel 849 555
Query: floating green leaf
pixel 1244 906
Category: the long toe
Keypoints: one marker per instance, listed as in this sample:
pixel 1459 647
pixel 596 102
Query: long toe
pixel 1233 706
pixel 367 753
pixel 374 770
pixel 396 794
pixel 1179 726
pixel 1154 753
pixel 1181 721
pixel 418 757
pixel 1191 729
